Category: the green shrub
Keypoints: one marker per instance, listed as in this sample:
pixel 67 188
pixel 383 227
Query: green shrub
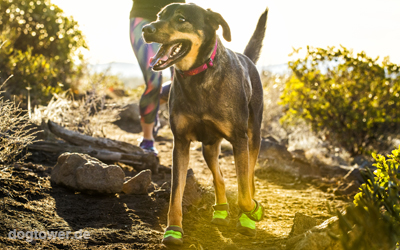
pixel 374 221
pixel 353 100
pixel 40 46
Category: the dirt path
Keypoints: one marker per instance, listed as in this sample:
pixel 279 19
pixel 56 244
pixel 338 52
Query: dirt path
pixel 28 201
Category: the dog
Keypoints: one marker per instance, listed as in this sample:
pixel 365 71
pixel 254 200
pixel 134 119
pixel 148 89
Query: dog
pixel 216 94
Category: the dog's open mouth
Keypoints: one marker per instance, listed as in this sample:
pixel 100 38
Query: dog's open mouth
pixel 168 54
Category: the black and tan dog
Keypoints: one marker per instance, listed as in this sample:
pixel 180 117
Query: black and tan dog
pixel 216 94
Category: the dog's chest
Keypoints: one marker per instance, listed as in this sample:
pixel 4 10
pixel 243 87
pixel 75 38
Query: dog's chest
pixel 204 128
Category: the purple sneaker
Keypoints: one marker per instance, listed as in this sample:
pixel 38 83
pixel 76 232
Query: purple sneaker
pixel 148 145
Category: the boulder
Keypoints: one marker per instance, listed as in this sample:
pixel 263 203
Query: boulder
pixel 84 173
pixel 192 194
pixel 302 223
pixel 314 238
pixel 130 118
pixel 271 149
pixel 138 184
pixel 130 113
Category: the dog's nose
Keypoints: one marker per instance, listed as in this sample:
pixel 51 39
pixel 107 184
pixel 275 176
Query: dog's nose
pixel 149 29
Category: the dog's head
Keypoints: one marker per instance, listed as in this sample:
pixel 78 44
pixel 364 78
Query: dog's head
pixel 186 33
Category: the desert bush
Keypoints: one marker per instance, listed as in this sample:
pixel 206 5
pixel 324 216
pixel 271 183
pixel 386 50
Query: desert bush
pixel 374 221
pixel 353 100
pixel 273 85
pixel 41 48
pixel 15 131
pixel 87 113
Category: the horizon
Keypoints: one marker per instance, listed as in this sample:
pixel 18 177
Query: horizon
pixel 369 26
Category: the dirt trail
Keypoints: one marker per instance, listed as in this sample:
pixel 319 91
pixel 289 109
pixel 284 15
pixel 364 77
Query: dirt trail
pixel 28 201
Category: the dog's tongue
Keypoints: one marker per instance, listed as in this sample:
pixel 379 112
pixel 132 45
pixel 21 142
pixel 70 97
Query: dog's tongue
pixel 160 55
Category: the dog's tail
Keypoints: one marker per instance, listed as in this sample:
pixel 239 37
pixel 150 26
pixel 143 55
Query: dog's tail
pixel 253 48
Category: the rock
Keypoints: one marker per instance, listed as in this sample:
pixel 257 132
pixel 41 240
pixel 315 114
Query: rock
pixel 192 194
pixel 271 149
pixel 315 238
pixel 354 175
pixel 166 186
pixel 152 187
pixel 334 170
pixel 131 113
pixel 130 118
pixel 84 173
pixel 138 184
pixel 164 169
pixel 40 169
pixel 348 188
pixel 318 241
pixel 299 155
pixel 302 223
pixel 361 161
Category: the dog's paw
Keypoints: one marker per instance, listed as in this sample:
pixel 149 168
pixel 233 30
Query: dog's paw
pixel 173 236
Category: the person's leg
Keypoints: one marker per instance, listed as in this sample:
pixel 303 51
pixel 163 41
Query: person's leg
pixel 150 100
pixel 165 92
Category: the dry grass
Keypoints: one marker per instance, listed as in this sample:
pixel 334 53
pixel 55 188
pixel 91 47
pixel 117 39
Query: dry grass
pixel 273 86
pixel 16 132
pixel 87 115
pixel 297 136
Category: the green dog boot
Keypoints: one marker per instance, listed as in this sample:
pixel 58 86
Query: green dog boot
pixel 173 236
pixel 220 215
pixel 247 220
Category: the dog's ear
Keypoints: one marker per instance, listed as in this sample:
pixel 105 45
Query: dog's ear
pixel 215 20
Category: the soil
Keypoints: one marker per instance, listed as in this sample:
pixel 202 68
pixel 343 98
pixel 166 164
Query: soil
pixel 29 201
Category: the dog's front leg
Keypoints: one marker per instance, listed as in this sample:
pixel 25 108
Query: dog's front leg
pixel 180 162
pixel 174 233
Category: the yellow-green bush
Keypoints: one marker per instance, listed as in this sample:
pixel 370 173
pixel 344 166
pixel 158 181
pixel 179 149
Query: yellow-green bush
pixel 352 99
pixel 374 221
pixel 39 48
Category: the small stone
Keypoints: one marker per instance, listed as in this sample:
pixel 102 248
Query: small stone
pixel 138 184
pixel 18 166
pixel 348 188
pixel 30 165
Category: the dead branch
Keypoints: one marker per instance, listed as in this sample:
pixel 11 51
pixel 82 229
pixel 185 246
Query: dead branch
pixel 101 148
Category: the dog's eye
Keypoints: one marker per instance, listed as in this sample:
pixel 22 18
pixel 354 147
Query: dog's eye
pixel 181 19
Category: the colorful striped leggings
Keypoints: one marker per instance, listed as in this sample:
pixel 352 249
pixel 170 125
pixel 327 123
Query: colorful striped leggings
pixel 150 100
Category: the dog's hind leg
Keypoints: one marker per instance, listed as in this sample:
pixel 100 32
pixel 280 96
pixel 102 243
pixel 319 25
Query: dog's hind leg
pixel 241 155
pixel 254 149
pixel 211 153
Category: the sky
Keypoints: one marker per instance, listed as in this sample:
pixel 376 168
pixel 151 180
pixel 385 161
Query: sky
pixel 362 25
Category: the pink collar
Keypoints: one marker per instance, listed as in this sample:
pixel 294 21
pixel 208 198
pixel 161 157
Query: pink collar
pixel 209 63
